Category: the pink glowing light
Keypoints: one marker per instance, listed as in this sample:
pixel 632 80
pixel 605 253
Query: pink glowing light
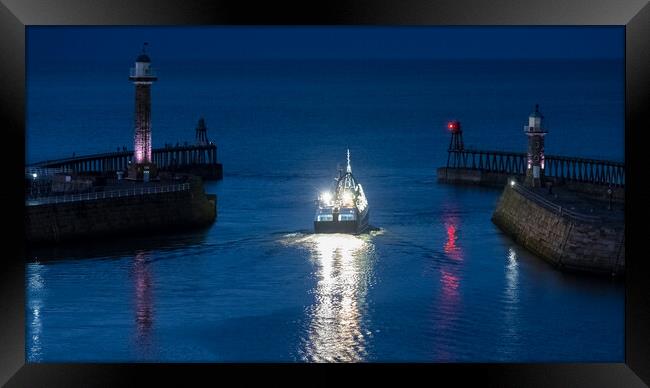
pixel 139 155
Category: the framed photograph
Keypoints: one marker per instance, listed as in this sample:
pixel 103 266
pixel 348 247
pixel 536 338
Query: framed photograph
pixel 212 189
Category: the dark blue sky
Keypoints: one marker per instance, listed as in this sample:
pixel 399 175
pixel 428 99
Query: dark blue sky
pixel 311 42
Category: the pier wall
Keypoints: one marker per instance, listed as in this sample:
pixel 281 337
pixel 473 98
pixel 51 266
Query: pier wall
pixel 51 223
pixel 205 171
pixel 561 240
pixel 468 176
pixel 596 191
pixel 194 159
pixel 471 176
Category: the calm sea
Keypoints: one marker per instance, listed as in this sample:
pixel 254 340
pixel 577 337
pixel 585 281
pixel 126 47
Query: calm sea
pixel 437 282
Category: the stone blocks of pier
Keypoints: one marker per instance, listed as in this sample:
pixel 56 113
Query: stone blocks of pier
pixel 205 171
pixel 597 191
pixel 136 171
pixel 563 241
pixel 139 214
pixel 64 184
pixel 471 176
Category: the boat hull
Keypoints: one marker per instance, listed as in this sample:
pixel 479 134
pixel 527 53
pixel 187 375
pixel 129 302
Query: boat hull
pixel 349 227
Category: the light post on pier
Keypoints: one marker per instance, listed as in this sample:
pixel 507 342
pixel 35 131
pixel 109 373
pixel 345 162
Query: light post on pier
pixel 609 196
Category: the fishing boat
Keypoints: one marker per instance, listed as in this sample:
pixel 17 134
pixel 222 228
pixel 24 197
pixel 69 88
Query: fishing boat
pixel 344 208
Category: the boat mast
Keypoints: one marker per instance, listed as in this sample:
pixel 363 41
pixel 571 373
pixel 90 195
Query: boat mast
pixel 349 168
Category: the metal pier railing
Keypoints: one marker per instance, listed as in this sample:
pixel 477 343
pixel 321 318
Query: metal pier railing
pixel 561 211
pixel 601 172
pixel 107 194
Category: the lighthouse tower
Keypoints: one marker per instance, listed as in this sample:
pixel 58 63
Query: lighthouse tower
pixel 142 76
pixel 536 133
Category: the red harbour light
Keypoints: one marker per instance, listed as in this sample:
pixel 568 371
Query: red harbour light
pixel 453 125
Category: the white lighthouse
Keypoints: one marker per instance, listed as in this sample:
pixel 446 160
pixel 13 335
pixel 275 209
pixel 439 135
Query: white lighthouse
pixel 142 76
pixel 535 132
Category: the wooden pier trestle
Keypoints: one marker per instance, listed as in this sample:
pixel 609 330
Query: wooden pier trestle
pixel 601 172
pixel 169 158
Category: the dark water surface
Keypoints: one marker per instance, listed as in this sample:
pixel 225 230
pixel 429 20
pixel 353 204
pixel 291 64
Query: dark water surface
pixel 437 282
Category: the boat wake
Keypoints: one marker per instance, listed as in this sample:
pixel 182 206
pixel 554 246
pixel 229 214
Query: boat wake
pixel 335 329
pixel 308 238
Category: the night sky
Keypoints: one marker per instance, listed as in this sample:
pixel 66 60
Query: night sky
pixel 311 42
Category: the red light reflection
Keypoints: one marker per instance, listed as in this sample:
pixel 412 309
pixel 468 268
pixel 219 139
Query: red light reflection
pixel 449 299
pixel 450 282
pixel 451 248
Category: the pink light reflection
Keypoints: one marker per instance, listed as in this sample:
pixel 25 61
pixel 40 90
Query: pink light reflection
pixel 143 296
pixel 450 283
pixel 451 248
pixel 449 299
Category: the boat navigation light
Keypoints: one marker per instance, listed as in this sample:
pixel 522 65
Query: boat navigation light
pixel 326 196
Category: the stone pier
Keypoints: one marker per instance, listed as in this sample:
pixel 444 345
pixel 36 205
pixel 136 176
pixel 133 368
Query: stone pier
pixel 142 213
pixel 569 231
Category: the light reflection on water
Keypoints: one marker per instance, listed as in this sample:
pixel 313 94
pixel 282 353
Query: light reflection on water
pixel 511 291
pixel 449 298
pixel 336 322
pixel 451 249
pixel 36 285
pixel 144 311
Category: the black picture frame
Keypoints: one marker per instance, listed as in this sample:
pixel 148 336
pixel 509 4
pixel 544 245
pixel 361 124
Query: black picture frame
pixel 15 15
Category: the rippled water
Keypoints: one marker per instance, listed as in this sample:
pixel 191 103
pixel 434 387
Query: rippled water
pixel 439 285
pixel 437 281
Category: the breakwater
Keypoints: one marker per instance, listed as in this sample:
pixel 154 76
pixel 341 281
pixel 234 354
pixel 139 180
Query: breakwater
pixel 564 238
pixel 571 230
pixel 198 160
pixel 481 177
pixel 493 168
pixel 166 207
pixel 471 176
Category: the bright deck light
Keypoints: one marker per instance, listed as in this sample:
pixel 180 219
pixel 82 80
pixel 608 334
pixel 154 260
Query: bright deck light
pixel 325 196
pixel 347 197
pixel 512 182
pixel 35 175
